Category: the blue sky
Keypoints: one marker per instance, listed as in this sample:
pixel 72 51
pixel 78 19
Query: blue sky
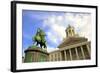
pixel 53 24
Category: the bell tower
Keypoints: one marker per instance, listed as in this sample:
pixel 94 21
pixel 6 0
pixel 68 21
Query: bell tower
pixel 70 31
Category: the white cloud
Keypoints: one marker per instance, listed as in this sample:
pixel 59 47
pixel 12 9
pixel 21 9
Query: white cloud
pixel 81 22
pixel 69 16
pixel 56 33
pixel 54 22
pixel 53 38
pixel 73 19
pixel 50 49
pixel 60 30
pixel 60 18
pixel 86 29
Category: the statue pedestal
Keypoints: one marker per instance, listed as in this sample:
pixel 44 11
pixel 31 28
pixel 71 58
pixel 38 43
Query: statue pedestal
pixel 35 55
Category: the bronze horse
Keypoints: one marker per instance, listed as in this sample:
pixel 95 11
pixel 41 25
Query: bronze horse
pixel 39 38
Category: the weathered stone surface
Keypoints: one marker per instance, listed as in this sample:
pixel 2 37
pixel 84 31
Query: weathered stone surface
pixel 35 55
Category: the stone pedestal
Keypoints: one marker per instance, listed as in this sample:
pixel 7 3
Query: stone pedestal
pixel 35 54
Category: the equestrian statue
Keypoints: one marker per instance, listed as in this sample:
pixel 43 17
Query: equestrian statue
pixel 39 38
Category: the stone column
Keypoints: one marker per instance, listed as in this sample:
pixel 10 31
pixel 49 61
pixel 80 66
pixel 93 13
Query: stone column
pixel 70 54
pixel 88 49
pixel 53 57
pixel 50 57
pixel 82 52
pixel 57 56
pixel 65 54
pixel 71 32
pixel 60 56
pixel 67 33
pixel 77 53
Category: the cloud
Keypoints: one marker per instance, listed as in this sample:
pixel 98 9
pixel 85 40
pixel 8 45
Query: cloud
pixel 60 18
pixel 81 22
pixel 73 19
pixel 50 49
pixel 56 31
pixel 55 24
pixel 53 38
pixel 86 28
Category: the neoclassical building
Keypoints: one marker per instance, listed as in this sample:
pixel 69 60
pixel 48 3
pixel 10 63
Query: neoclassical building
pixel 73 47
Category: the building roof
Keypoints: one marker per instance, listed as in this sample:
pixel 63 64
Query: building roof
pixel 72 40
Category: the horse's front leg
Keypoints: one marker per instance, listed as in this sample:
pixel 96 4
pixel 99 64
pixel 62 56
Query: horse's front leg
pixel 41 45
pixel 37 43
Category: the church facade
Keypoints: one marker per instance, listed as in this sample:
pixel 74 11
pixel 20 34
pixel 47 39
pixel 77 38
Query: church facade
pixel 73 47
